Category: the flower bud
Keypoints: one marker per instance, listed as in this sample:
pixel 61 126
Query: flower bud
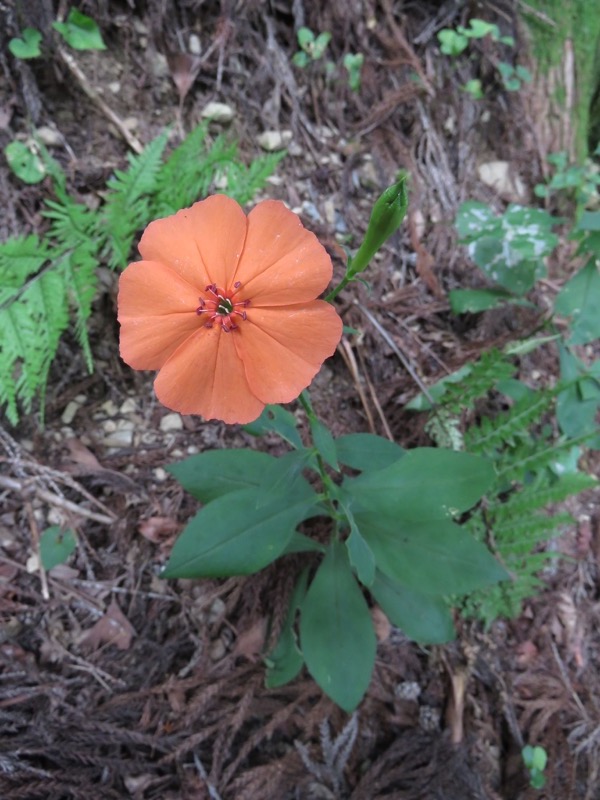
pixel 387 215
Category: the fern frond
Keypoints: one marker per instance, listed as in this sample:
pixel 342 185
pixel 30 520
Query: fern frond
pixel 539 495
pixel 533 456
pixel 244 182
pixel 20 257
pixel 127 204
pixel 483 375
pixel 510 426
pixel 30 328
pixel 189 172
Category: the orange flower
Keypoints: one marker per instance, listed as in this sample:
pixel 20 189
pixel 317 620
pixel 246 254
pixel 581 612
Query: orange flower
pixel 223 305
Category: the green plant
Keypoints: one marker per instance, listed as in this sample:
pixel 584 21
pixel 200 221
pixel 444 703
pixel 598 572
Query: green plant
pixel 510 250
pixel 353 64
pixel 25 161
pixel 534 466
pixel 28 46
pixel 535 760
pixel 312 48
pixel 56 545
pixel 388 527
pixel 453 42
pixel 47 282
pixel 80 31
pixel 401 545
pixel 579 181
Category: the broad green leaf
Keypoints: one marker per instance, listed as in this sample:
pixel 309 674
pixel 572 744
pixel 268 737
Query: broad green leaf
pixel 359 552
pixel 24 162
pixel 424 618
pixel 474 301
pixel 365 451
pixel 285 660
pixel 336 633
pixel 589 221
pixel 580 299
pixel 299 543
pixel 577 406
pixel 28 46
pixel 436 557
pixel 283 475
pixel 231 536
pixel 277 419
pixel 80 31
pixel 56 545
pixel 426 483
pixel 214 473
pixel 324 442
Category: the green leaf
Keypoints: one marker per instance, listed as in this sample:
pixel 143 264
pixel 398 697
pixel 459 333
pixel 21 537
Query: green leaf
pixel 580 299
pixel 423 618
pixel 452 43
pixel 300 59
pixel 320 44
pixel 426 483
pixel 359 552
pixel 277 419
pixel 436 557
pixel 28 46
pixel 474 88
pixel 24 162
pixel 365 451
pixel 80 31
pixel 231 536
pixel 285 660
pixel 299 543
pixel 214 473
pixel 336 632
pixel 577 406
pixel 478 28
pixel 474 301
pixel 56 545
pixel 283 475
pixel 305 37
pixel 589 221
pixel 324 442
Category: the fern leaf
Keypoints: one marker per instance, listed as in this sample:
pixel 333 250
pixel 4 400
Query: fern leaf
pixel 507 428
pixel 20 257
pixel 244 182
pixel 128 200
pixel 189 172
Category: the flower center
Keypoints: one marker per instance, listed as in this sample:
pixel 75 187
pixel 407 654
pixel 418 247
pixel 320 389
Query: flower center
pixel 222 308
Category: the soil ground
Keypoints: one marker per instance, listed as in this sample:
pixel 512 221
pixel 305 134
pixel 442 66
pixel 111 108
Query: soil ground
pixel 117 684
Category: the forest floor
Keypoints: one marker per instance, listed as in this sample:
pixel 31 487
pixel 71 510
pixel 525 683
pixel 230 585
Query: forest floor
pixel 117 684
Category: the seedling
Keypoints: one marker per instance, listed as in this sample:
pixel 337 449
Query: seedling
pixel 312 47
pixel 535 759
pixel 353 63
pixel 28 46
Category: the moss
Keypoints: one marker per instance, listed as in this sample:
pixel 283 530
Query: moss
pixel 574 20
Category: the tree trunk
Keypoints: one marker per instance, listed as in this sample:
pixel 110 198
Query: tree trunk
pixel 564 38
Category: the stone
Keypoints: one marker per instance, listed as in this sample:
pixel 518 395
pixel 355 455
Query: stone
pixel 171 422
pixel 499 177
pixel 271 141
pixel 218 112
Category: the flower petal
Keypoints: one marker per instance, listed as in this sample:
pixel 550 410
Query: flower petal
pixel 206 376
pixel 202 243
pixel 283 348
pixel 157 312
pixel 282 262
